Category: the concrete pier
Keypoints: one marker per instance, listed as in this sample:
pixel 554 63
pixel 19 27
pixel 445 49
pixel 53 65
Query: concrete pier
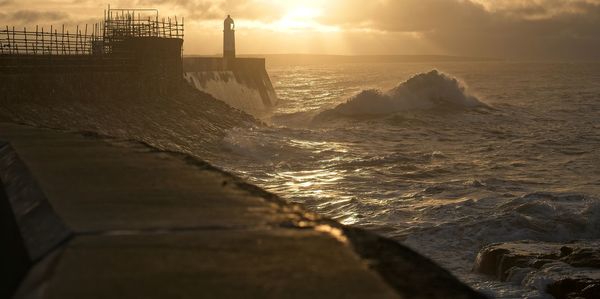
pixel 242 83
pixel 105 218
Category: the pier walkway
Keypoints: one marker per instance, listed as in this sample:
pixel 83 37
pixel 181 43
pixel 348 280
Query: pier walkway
pixel 107 218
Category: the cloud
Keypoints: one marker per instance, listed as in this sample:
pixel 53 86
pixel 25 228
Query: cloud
pixel 34 17
pixel 543 29
pixel 539 29
pixel 211 10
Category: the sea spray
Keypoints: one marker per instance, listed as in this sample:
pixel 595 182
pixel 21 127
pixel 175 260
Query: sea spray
pixel 425 91
pixel 444 183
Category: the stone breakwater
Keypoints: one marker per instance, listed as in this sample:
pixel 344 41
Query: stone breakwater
pixel 87 216
pixel 100 217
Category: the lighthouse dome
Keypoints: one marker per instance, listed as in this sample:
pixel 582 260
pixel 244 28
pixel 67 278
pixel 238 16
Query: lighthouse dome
pixel 229 24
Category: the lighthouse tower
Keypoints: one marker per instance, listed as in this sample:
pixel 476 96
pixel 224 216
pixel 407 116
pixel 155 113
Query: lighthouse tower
pixel 229 39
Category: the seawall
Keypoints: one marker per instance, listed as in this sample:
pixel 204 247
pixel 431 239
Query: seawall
pixel 98 217
pixel 242 83
pixel 143 66
pixel 87 216
pixel 143 80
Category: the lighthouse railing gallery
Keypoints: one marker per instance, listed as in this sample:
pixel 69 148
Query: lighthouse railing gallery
pixel 97 39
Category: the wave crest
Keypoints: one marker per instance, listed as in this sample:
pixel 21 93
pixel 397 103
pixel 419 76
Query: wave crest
pixel 427 91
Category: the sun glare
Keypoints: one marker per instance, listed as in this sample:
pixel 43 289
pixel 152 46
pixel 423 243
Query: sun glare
pixel 303 13
pixel 302 18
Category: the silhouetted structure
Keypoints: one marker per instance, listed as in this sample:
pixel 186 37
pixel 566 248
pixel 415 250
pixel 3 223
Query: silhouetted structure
pixel 229 39
pixel 134 42
pixel 102 38
pixel 121 25
pixel 228 77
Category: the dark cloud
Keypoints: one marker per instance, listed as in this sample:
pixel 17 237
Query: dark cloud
pixel 212 10
pixel 530 29
pixel 404 16
pixel 467 28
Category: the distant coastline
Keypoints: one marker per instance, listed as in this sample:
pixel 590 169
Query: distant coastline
pixel 303 59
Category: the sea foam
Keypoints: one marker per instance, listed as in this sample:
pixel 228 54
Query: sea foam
pixel 426 91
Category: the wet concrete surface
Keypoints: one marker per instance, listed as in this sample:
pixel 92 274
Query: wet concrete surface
pixel 141 223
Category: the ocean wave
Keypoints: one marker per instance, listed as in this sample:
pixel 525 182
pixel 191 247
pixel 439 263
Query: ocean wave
pixel 427 91
pixel 538 216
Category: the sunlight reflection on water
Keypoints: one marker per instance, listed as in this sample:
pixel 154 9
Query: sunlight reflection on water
pixel 439 182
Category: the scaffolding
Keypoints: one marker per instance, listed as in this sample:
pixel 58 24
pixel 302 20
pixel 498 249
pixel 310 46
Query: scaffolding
pixel 48 41
pixel 122 24
pixel 101 38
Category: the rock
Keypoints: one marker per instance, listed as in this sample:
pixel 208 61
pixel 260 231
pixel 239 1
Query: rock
pixel 572 288
pixel 498 259
pixel 563 270
pixel 583 257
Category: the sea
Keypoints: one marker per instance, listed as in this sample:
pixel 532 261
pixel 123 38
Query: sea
pixel 444 157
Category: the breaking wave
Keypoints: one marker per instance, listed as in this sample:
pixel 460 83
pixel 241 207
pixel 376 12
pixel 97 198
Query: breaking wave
pixel 426 91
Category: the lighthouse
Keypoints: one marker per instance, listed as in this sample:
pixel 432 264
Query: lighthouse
pixel 229 39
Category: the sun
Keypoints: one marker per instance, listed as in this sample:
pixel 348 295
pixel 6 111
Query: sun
pixel 303 18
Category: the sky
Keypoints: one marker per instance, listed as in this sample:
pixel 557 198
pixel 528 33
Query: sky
pixel 509 29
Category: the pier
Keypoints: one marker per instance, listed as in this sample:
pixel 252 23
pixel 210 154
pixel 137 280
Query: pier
pixel 91 216
pixel 98 217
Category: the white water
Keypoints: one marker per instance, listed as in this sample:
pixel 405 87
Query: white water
pixel 437 165
pixel 425 91
pixel 444 168
pixel 225 86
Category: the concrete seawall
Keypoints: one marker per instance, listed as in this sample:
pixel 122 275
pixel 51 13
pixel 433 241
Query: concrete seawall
pixel 86 216
pixel 242 83
pixel 123 220
pixel 144 66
